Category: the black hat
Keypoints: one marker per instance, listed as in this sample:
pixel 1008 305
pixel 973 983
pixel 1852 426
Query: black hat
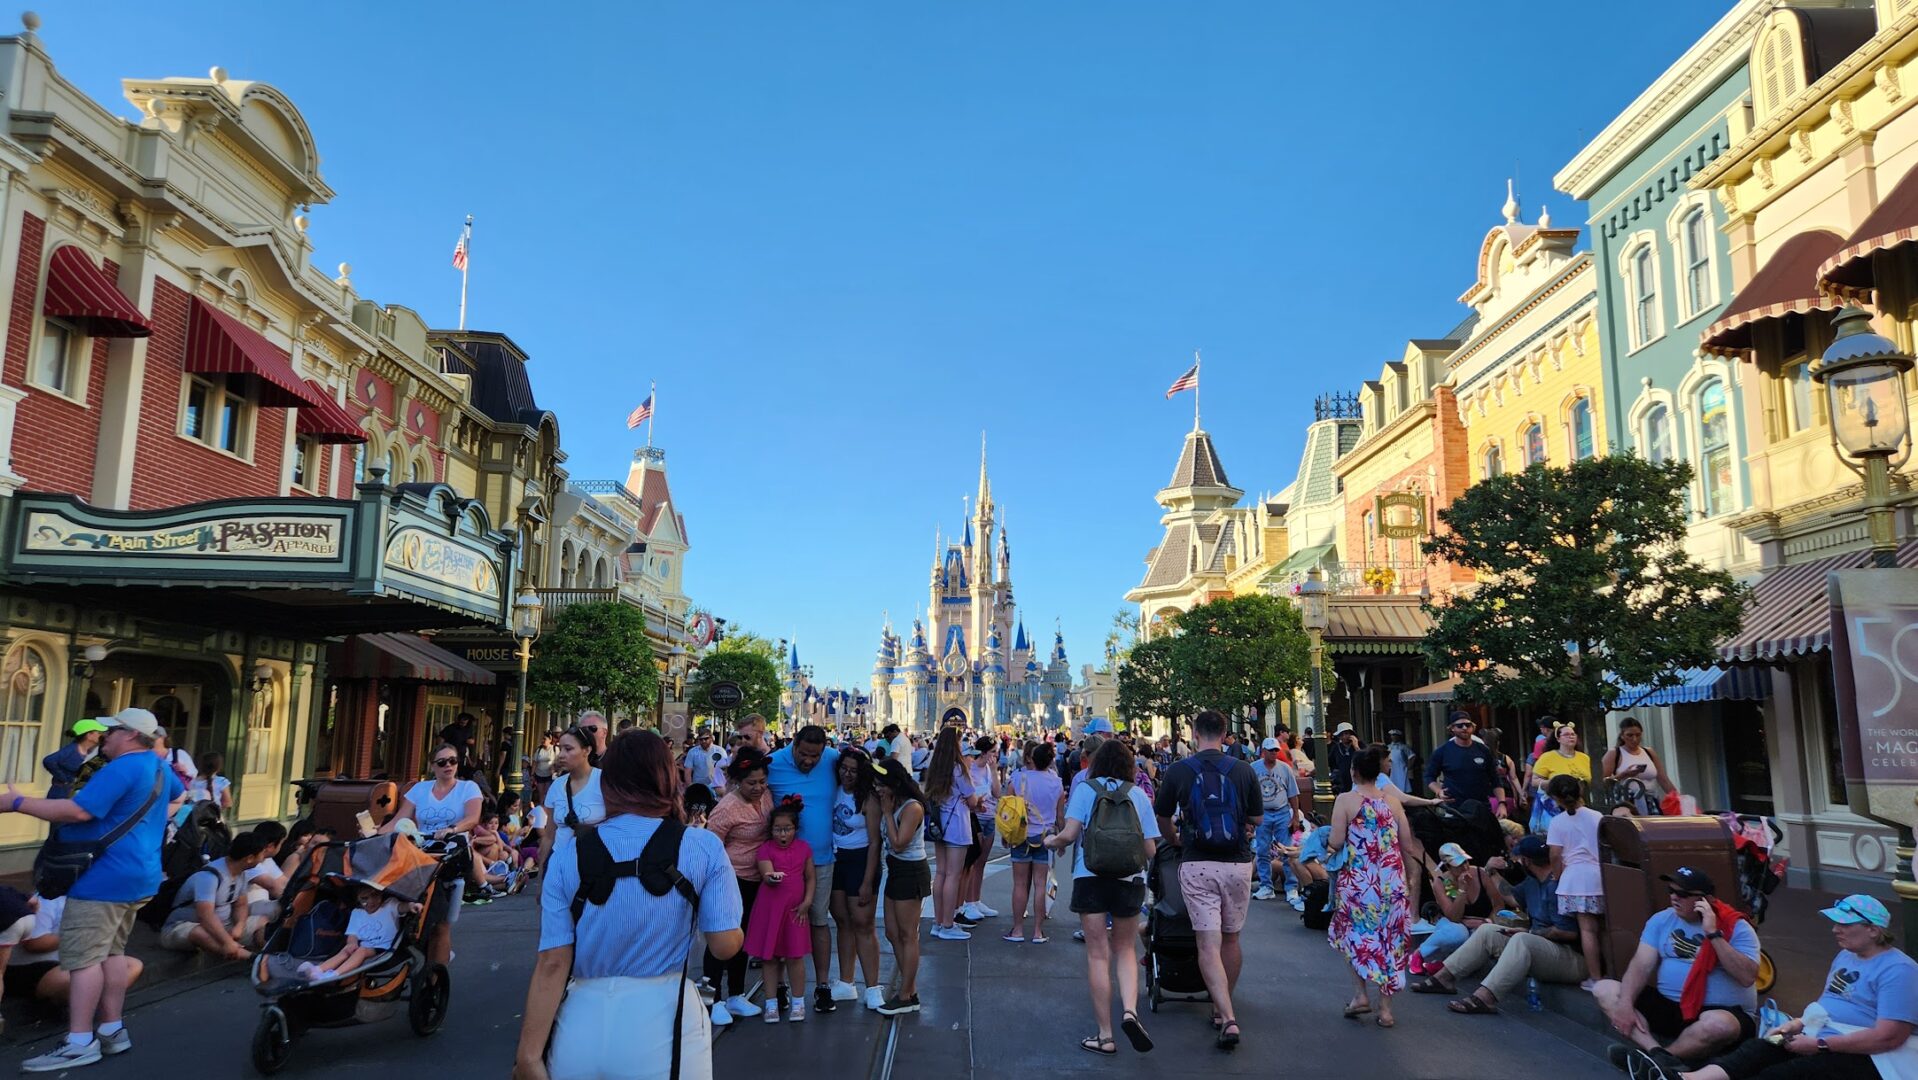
pixel 1532 849
pixel 1690 880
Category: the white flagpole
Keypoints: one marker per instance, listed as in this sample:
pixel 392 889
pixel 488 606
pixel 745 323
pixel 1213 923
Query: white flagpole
pixel 467 243
pixel 1195 389
pixel 653 393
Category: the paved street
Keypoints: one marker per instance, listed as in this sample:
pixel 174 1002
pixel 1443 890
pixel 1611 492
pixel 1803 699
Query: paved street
pixel 992 1010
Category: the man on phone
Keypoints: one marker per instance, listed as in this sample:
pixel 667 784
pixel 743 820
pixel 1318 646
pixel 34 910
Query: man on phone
pixel 1547 950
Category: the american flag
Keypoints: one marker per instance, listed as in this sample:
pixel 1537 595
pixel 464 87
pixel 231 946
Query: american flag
pixel 459 249
pixel 1188 381
pixel 641 414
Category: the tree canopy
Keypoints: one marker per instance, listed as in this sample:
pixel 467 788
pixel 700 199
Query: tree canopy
pixel 595 656
pixel 1232 654
pixel 743 662
pixel 1584 586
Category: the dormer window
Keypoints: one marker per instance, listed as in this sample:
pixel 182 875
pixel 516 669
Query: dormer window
pixel 1777 64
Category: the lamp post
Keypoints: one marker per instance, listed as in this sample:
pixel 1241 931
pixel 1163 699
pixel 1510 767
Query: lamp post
pixel 526 616
pixel 1313 614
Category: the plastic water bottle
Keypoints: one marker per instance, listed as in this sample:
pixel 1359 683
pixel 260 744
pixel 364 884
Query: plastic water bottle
pixel 1532 1000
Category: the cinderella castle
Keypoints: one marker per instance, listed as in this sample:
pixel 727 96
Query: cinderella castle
pixel 963 673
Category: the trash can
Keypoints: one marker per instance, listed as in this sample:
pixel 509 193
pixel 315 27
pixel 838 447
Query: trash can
pixel 335 804
pixel 1635 852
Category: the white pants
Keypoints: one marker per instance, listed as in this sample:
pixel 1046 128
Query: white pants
pixel 622 1029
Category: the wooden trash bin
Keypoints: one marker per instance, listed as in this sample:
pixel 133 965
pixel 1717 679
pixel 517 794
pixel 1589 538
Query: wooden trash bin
pixel 1635 852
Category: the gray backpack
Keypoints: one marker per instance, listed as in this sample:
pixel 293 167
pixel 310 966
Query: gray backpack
pixel 1114 843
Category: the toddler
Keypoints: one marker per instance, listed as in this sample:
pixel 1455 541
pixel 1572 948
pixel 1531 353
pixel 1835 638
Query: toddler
pixel 373 929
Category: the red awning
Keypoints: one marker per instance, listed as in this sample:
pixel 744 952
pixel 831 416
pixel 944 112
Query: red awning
pixel 405 656
pixel 218 343
pixel 327 422
pixel 1790 611
pixel 1893 222
pixel 1786 285
pixel 85 296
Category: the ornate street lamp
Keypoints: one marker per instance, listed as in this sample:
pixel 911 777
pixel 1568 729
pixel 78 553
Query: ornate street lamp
pixel 1863 374
pixel 1312 612
pixel 526 617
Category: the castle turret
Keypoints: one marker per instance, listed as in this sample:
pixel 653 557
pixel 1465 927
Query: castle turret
pixel 992 684
pixel 916 672
pixel 882 673
pixel 1057 682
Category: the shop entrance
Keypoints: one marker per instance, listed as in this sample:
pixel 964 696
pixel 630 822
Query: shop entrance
pixel 193 699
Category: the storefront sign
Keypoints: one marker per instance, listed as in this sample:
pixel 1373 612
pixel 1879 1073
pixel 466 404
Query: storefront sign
pixel 1874 633
pixel 418 551
pixel 270 536
pixel 1401 515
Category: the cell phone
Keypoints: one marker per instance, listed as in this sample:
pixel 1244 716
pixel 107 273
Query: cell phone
pixel 365 821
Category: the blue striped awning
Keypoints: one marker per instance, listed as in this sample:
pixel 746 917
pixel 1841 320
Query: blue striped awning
pixel 1739 683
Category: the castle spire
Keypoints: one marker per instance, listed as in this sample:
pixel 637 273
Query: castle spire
pixel 985 484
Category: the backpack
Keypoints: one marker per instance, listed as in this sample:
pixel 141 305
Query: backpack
pixel 657 869
pixel 1212 810
pixel 1114 843
pixel 1011 819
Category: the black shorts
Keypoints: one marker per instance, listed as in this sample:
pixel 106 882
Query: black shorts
pixel 849 868
pixel 1117 897
pixel 982 830
pixel 907 879
pixel 1665 1022
pixel 22 979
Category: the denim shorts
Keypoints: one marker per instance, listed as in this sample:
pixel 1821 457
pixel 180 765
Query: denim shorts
pixel 1032 851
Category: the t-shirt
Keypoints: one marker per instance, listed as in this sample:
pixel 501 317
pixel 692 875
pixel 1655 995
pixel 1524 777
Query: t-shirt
pixel 45 921
pixel 901 749
pixel 433 814
pixel 1467 772
pixel 1040 788
pixel 1577 834
pixel 1175 788
pixel 699 764
pixel 212 884
pixel 1552 763
pixel 636 934
pixel 587 802
pixel 1278 785
pixel 461 737
pixel 848 823
pixel 1540 899
pixel 1079 809
pixel 980 774
pixel 128 870
pixel 375 929
pixel 1859 991
pixel 197 790
pixel 1678 942
pixel 816 789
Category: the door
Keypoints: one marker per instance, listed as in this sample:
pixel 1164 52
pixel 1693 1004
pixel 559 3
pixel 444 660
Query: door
pixel 178 710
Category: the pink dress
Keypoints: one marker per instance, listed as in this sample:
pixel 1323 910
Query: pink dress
pixel 1370 922
pixel 771 932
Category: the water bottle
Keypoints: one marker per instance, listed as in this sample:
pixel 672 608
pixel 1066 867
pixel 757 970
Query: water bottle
pixel 1532 1000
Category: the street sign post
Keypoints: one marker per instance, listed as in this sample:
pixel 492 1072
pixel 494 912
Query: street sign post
pixel 726 695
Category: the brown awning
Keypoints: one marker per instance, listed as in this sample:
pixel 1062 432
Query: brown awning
pixel 1375 624
pixel 219 343
pixel 1441 690
pixel 404 656
pixel 1790 612
pixel 83 294
pixel 1786 285
pixel 1892 223
pixel 327 422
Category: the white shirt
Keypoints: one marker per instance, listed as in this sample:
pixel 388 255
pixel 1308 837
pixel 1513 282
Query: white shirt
pixel 587 802
pixel 375 929
pixel 435 815
pixel 901 749
pixel 45 921
pixel 196 791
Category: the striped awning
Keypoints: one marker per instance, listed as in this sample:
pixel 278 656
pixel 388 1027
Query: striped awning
pixel 1375 624
pixel 404 656
pixel 218 343
pixel 1892 223
pixel 83 294
pixel 1786 285
pixel 1736 683
pixel 327 422
pixel 1441 690
pixel 1790 613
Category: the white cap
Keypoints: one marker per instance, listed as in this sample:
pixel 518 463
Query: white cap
pixel 1342 729
pixel 139 720
pixel 1270 743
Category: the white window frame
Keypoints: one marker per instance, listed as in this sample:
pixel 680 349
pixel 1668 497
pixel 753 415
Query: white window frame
pixel 1485 456
pixel 218 393
pixel 1525 442
pixel 1571 430
pixel 79 355
pixel 1704 369
pixel 1636 335
pixel 22 728
pixel 303 456
pixel 1698 202
pixel 1651 398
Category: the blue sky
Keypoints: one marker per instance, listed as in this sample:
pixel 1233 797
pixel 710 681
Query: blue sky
pixel 846 237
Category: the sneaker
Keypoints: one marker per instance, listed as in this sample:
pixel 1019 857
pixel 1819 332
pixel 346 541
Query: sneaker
pixel 823 1001
pixel 1078 935
pixel 739 1005
pixel 117 1043
pixel 1291 895
pixel 1265 893
pixel 950 933
pixel 1297 902
pixel 961 918
pixel 1640 1066
pixel 900 1005
pixel 720 1016
pixel 980 910
pixel 64 1056
pixel 844 991
pixel 797 1013
pixel 1617 1053
pixel 1417 929
pixel 875 997
pixel 1587 984
pixel 772 1013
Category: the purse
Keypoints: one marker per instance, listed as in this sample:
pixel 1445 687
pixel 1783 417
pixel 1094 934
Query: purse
pixel 61 863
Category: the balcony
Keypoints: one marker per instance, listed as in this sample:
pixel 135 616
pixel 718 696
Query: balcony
pixel 607 487
pixel 660 624
pixel 1349 578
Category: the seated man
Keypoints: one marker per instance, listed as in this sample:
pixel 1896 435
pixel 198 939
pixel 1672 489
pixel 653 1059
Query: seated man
pixel 1650 1007
pixel 209 913
pixel 33 966
pixel 1547 951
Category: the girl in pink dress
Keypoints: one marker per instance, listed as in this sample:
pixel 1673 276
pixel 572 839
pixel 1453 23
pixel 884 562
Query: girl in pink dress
pixel 779 931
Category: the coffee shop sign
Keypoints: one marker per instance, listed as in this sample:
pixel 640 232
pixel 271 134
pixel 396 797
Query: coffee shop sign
pixel 254 536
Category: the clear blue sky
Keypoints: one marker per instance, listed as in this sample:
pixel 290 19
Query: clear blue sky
pixel 845 237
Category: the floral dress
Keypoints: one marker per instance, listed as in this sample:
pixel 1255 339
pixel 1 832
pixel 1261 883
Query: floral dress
pixel 1371 921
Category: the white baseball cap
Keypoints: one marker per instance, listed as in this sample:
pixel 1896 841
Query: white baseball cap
pixel 138 720
pixel 1270 743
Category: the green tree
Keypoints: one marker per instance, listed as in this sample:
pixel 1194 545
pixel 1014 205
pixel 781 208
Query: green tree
pixel 1150 684
pixel 1242 652
pixel 595 656
pixel 1121 638
pixel 1584 585
pixel 752 668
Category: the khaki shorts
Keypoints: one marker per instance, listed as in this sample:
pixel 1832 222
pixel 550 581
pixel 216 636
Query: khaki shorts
pixel 92 930
pixel 821 912
pixel 179 936
pixel 1217 894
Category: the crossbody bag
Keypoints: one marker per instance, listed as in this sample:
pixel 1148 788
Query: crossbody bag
pixel 60 863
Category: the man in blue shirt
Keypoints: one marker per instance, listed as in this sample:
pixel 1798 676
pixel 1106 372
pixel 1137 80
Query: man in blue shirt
pixel 1548 951
pixel 102 904
pixel 810 769
pixel 1462 768
pixel 1645 1004
pixel 1279 788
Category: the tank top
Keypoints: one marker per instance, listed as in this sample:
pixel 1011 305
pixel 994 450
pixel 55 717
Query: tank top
pixel 1480 908
pixel 848 823
pixel 915 849
pixel 1627 759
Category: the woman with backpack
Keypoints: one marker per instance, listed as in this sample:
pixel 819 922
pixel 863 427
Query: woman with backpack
pixel 1119 836
pixel 950 796
pixel 609 992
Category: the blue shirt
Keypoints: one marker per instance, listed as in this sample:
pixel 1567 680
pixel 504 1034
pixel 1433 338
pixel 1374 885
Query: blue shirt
pixel 636 934
pixel 1863 992
pixel 1467 772
pixel 129 870
pixel 1278 785
pixel 1541 903
pixel 64 764
pixel 1678 942
pixel 817 790
pixel 1079 809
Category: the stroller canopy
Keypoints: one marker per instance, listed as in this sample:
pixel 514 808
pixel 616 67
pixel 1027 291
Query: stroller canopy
pixel 392 862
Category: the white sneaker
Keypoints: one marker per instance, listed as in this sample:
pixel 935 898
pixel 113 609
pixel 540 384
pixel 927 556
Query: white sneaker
pixel 64 1056
pixel 720 1016
pixel 117 1043
pixel 965 912
pixel 1297 902
pixel 772 1013
pixel 950 933
pixel 1291 895
pixel 844 991
pixel 1265 893
pixel 981 911
pixel 797 1013
pixel 875 997
pixel 739 1005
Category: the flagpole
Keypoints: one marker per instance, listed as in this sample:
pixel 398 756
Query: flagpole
pixel 1195 389
pixel 653 396
pixel 466 262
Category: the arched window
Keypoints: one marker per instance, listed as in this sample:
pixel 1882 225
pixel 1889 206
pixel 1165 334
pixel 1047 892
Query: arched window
pixel 1494 462
pixel 1695 235
pixel 393 470
pixel 1715 448
pixel 23 715
pixel 1580 422
pixel 1778 72
pixel 1534 445
pixel 1644 296
pixel 359 464
pixel 1655 437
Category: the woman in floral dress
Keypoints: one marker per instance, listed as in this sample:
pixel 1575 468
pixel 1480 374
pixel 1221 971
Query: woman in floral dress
pixel 1371 920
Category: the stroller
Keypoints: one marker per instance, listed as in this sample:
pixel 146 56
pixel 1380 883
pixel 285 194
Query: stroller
pixel 1760 870
pixel 319 900
pixel 1171 958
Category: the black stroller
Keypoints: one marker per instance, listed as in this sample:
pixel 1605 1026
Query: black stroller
pixel 1171 958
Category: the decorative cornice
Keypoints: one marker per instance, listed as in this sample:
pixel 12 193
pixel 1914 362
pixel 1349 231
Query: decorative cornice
pixel 1384 438
pixel 1580 264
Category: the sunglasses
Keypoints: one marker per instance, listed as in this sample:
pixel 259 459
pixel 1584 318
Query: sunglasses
pixel 1681 894
pixel 446 761
pixel 1463 727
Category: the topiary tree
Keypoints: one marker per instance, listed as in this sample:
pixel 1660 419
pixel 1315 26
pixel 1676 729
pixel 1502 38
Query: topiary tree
pixel 595 656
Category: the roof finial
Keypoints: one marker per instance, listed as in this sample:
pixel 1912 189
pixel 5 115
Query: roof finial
pixel 1544 218
pixel 1511 203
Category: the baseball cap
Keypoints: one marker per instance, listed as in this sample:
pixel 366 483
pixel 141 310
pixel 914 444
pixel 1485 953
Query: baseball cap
pixel 1858 908
pixel 1532 848
pixel 1343 728
pixel 1270 743
pixel 1098 724
pixel 1459 714
pixel 1690 880
pixel 1453 855
pixel 85 726
pixel 139 720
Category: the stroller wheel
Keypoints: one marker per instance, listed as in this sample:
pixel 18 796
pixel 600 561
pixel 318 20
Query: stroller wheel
pixel 272 1041
pixel 431 992
pixel 1767 974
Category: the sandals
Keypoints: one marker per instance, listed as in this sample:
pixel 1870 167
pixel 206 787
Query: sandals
pixel 1016 939
pixel 1040 939
pixel 1353 1012
pixel 1386 1022
pixel 1093 1044
pixel 1229 1036
pixel 1471 1005
pixel 1430 985
pixel 1135 1032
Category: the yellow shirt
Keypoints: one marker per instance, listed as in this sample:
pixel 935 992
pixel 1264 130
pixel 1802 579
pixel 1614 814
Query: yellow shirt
pixel 1552 763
